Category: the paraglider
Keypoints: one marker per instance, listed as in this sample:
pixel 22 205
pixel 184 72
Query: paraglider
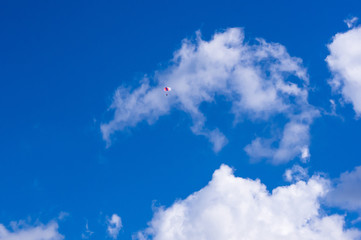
pixel 166 90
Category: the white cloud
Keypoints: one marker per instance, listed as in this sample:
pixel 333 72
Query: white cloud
pixel 234 208
pixel 305 153
pixel 22 231
pixel 294 141
pixel 350 22
pixel 347 192
pixel 87 233
pixel 296 173
pixel 333 108
pixel 114 226
pixel 63 215
pixel 344 62
pixel 261 80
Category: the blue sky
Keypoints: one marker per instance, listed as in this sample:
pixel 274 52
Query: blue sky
pixel 61 64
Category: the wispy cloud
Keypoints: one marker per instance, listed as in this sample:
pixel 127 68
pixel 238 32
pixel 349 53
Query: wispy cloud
pixel 350 22
pixel 87 233
pixel 294 141
pixel 296 173
pixel 255 78
pixel 230 207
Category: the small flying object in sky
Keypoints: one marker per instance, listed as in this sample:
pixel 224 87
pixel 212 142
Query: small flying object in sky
pixel 166 90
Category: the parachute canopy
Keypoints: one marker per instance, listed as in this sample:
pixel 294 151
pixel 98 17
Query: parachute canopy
pixel 167 89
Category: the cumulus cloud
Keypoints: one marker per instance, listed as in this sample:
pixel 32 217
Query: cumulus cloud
pixel 261 80
pixel 20 230
pixel 347 192
pixel 233 208
pixel 344 62
pixel 114 226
